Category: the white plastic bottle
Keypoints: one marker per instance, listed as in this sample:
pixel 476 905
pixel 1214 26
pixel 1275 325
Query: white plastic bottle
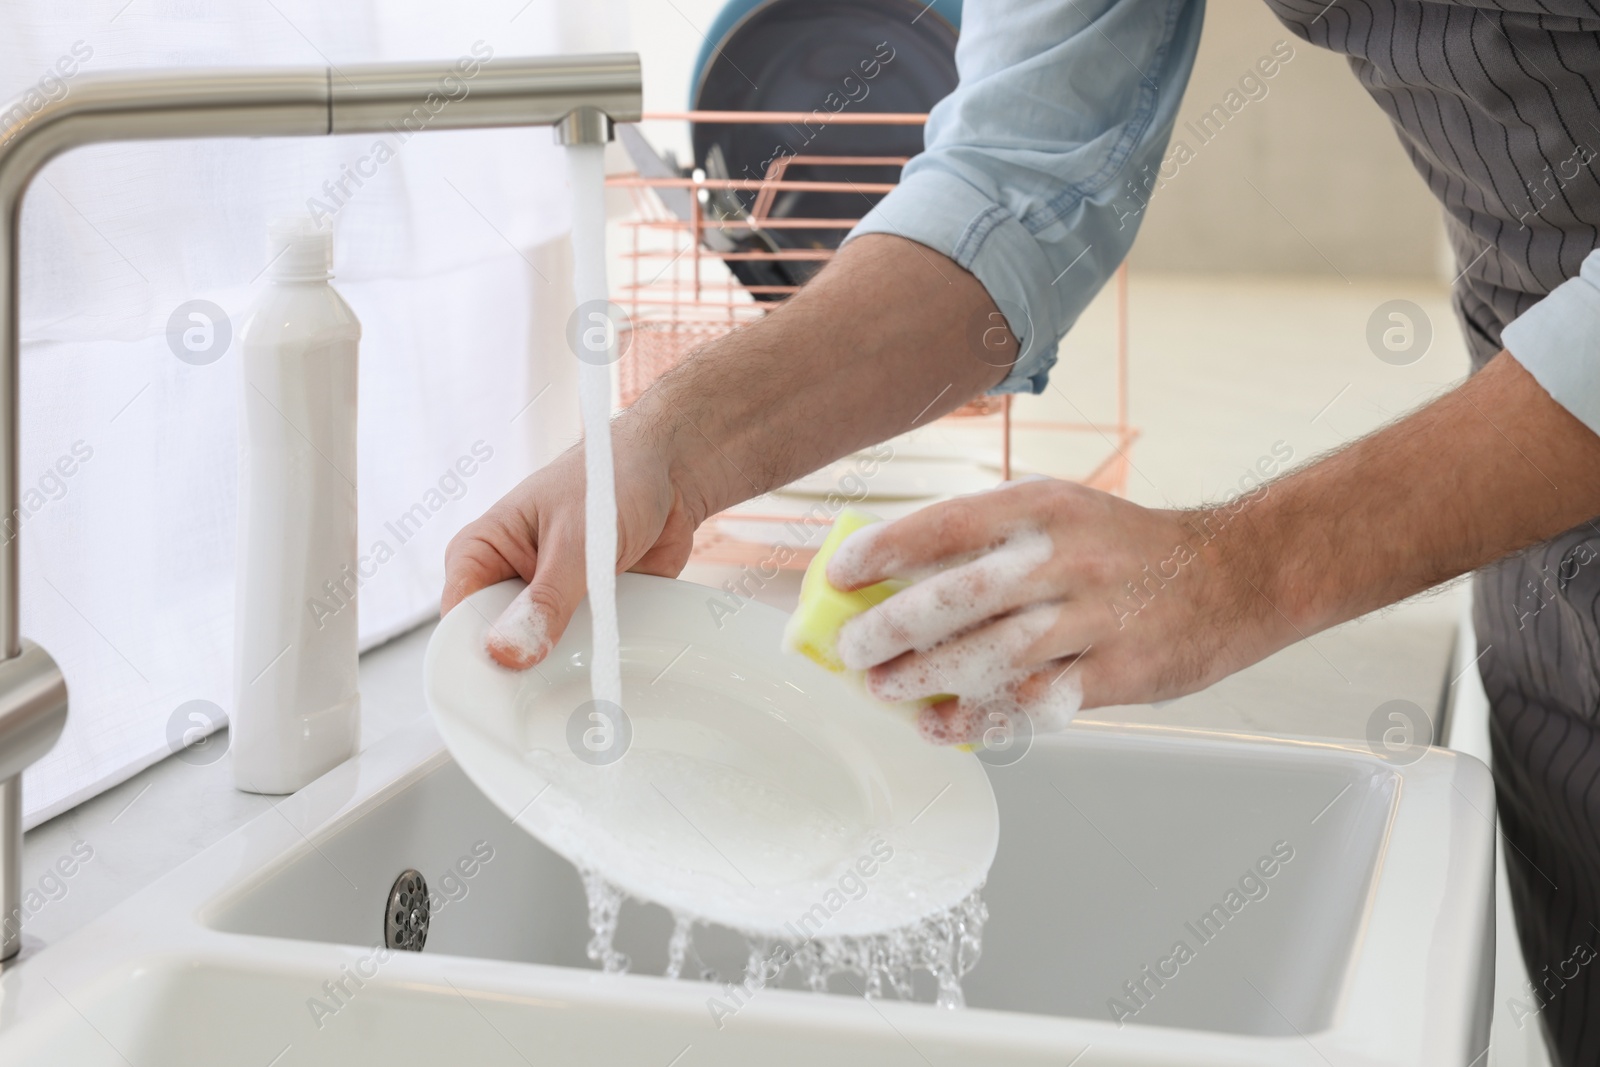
pixel 296 709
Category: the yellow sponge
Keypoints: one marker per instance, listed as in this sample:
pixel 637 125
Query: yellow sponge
pixel 813 629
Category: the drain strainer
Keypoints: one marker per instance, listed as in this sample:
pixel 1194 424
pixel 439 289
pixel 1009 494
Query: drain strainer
pixel 405 921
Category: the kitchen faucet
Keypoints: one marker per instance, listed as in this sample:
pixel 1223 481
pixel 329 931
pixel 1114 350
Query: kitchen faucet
pixel 580 96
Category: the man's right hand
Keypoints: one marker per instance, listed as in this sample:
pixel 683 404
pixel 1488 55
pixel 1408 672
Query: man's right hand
pixel 536 531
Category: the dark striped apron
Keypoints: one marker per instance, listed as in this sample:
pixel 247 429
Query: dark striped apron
pixel 1498 106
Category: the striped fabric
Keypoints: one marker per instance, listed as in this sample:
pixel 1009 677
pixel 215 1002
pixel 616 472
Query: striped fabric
pixel 1498 106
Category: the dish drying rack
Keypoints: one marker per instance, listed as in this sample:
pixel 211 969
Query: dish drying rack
pixel 679 295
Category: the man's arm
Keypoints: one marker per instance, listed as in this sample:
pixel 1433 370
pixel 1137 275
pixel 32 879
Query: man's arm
pixel 890 336
pixel 1488 469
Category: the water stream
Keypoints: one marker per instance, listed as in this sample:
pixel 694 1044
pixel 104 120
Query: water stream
pixel 586 171
pixel 945 945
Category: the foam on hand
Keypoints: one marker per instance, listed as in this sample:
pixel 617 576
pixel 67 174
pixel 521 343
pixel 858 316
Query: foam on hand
pixel 520 637
pixel 962 594
pixel 813 629
pixel 958 619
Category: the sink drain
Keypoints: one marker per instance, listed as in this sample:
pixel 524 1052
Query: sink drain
pixel 405 920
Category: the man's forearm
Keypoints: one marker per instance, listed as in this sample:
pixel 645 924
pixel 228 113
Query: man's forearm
pixel 1490 468
pixel 890 335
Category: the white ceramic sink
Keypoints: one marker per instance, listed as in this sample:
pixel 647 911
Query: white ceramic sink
pixel 1371 944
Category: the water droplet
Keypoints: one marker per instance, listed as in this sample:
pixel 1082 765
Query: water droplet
pixel 946 946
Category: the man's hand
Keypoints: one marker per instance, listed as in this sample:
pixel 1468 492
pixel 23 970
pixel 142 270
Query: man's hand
pixel 1045 595
pixel 536 533
pixel 1041 591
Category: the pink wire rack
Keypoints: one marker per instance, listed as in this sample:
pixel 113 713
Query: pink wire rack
pixel 679 295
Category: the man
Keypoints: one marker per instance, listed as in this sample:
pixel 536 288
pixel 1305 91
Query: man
pixel 1014 208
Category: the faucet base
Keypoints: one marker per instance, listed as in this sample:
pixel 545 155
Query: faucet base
pixel 33 709
pixel 11 869
pixel 30 947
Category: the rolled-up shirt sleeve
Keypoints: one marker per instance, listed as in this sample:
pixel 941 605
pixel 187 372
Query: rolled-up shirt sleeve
pixel 1036 169
pixel 1558 342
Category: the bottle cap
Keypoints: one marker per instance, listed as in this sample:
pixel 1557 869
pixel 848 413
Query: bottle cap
pixel 301 250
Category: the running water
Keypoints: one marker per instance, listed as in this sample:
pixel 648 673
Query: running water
pixel 605 905
pixel 597 335
pixel 945 945
pixel 678 946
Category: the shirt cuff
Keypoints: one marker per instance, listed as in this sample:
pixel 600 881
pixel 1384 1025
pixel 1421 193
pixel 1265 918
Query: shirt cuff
pixel 1558 342
pixel 944 213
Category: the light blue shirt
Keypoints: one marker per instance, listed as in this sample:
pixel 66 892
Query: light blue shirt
pixel 1037 167
pixel 1025 176
pixel 1558 342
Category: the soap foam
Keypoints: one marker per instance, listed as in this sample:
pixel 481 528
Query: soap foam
pixel 1054 703
pixel 1049 698
pixel 520 637
pixel 979 664
pixel 849 565
pixel 961 723
pixel 953 621
pixel 946 603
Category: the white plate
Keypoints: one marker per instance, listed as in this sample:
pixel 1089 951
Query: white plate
pixel 756 788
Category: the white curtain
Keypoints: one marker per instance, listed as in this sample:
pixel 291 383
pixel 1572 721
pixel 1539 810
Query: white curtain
pixel 129 454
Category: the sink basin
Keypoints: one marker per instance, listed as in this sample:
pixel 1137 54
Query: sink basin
pixel 1333 908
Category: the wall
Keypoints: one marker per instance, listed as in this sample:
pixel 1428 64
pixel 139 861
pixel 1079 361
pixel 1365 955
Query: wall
pixel 1309 178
